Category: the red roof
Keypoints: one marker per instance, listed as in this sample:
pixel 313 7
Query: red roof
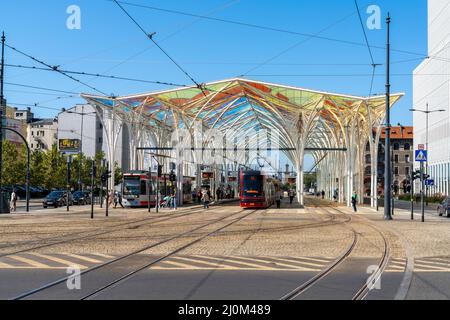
pixel 399 133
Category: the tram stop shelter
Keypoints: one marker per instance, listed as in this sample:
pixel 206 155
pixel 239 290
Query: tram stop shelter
pixel 245 120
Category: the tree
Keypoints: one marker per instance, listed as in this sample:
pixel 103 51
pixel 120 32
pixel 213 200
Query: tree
pixel 55 169
pixel 37 168
pixel 310 180
pixel 14 164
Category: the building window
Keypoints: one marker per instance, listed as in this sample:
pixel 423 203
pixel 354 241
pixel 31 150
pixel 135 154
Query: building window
pixel 32 133
pixel 407 147
pixel 407 171
pixel 396 146
pixel 396 171
pixel 31 146
pixel 407 158
pixel 396 158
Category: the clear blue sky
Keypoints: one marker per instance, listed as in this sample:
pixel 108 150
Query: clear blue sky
pixel 209 50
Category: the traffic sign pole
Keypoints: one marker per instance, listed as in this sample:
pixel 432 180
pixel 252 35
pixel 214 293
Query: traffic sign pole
pixel 412 192
pixel 422 177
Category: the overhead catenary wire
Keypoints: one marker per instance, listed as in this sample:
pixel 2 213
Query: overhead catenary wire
pixel 150 36
pixel 364 32
pixel 54 68
pixel 297 44
pixel 267 28
pixel 82 73
pixel 40 88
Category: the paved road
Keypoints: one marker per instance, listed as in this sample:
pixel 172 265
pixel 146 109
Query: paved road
pixel 207 275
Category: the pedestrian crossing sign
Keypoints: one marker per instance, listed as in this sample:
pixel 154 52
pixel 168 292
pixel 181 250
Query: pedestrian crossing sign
pixel 421 155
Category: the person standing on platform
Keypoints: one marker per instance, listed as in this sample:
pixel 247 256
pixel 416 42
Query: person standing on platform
pixel 291 195
pixel 13 202
pixel 174 200
pixel 206 198
pixel 354 201
pixel 278 198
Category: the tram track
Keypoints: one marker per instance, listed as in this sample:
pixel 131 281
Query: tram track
pixel 123 258
pixel 363 291
pixel 83 235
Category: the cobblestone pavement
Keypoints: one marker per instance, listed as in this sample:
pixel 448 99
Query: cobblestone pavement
pixel 429 248
pixel 290 239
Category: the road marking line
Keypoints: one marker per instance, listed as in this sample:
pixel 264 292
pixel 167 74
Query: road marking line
pixel 302 262
pixel 427 270
pixel 102 255
pixel 234 260
pixel 58 260
pixel 30 262
pixel 182 266
pixel 296 267
pixel 5 265
pixel 447 264
pixel 197 261
pixel 422 266
pixel 76 256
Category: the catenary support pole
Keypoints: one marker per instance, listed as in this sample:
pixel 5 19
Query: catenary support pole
pixel 387 154
pixel 2 105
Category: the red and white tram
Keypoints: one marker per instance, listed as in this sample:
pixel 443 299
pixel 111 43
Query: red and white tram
pixel 136 187
pixel 257 190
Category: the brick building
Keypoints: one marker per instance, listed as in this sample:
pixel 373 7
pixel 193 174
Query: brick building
pixel 402 139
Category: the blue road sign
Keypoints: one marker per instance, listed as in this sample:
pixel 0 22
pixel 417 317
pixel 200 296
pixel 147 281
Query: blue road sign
pixel 421 155
pixel 429 182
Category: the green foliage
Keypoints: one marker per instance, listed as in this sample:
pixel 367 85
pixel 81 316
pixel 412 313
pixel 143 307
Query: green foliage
pixel 309 179
pixel 13 169
pixel 48 169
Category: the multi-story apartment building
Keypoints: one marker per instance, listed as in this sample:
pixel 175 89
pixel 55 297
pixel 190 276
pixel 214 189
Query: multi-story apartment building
pixel 42 134
pixel 402 139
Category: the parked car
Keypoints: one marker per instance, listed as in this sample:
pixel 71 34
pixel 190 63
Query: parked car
pixel 444 208
pixel 57 199
pixel 81 197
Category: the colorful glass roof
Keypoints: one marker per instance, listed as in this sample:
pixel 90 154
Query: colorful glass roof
pixel 239 106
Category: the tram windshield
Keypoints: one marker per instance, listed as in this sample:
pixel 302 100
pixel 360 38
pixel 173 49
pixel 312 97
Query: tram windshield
pixel 131 186
pixel 253 185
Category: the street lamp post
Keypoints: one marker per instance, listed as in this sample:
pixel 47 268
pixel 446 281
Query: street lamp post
pixel 427 112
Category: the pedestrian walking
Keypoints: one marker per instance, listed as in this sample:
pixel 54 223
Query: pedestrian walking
pixel 218 192
pixel 354 201
pixel 199 196
pixel 206 198
pixel 116 199
pixel 119 199
pixel 158 201
pixel 323 194
pixel 174 200
pixel 291 196
pixel 13 202
pixel 111 197
pixel 278 198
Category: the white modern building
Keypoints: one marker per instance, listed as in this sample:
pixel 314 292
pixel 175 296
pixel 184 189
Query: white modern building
pixel 86 123
pixel 431 85
pixel 42 134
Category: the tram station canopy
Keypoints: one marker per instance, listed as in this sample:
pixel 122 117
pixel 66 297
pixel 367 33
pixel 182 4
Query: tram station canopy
pixel 303 118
